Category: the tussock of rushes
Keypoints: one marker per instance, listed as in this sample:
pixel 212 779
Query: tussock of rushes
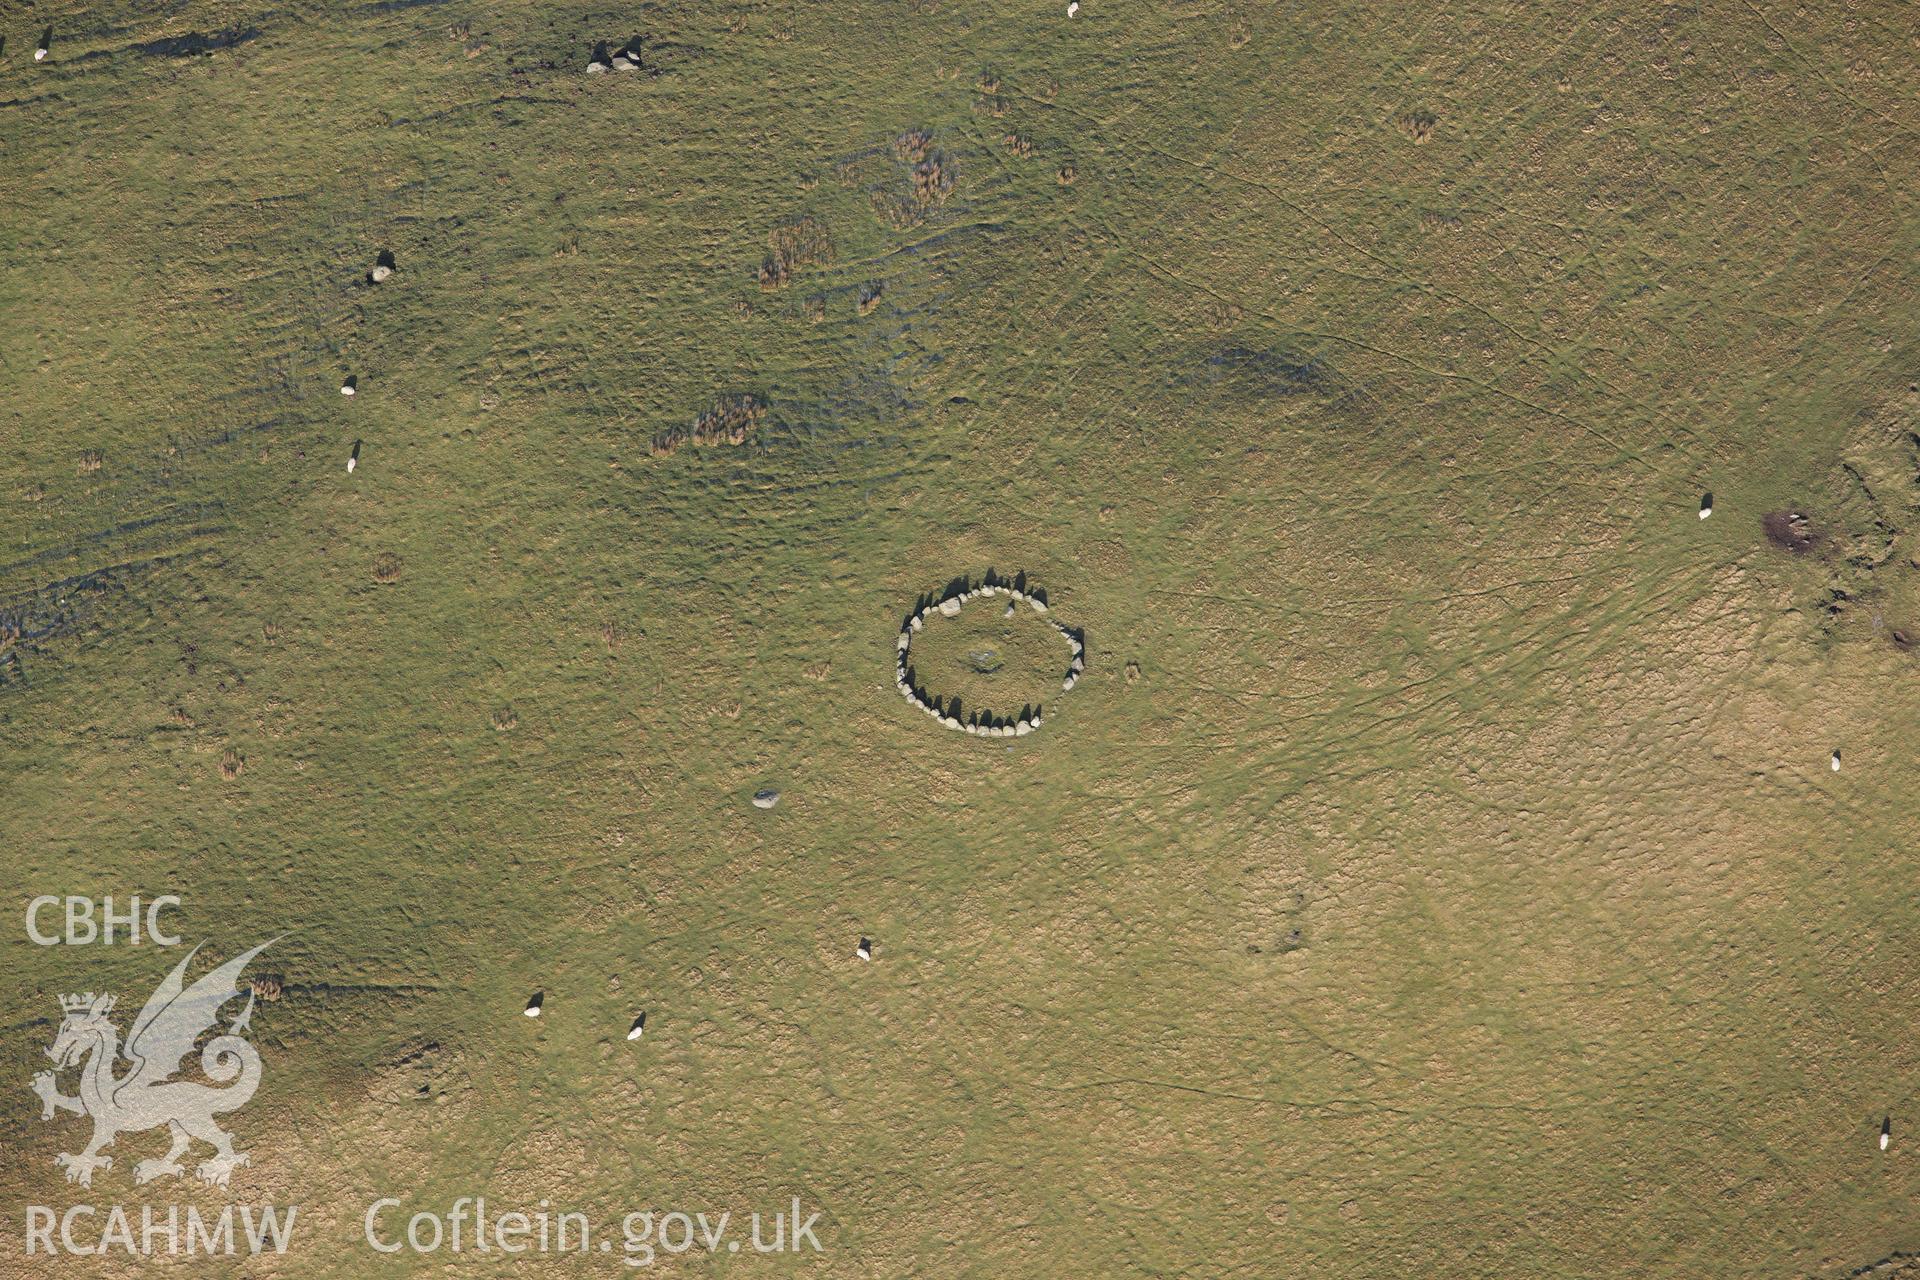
pixel 932 180
pixel 386 567
pixel 895 211
pixel 990 100
pixel 728 422
pixel 1418 126
pixel 801 244
pixel 1022 147
pixel 232 764
pixel 913 146
pixel 267 988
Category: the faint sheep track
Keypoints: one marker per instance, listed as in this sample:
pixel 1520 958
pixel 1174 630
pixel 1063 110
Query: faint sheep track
pixel 47 611
pixel 887 299
pixel 1209 165
pixel 1480 666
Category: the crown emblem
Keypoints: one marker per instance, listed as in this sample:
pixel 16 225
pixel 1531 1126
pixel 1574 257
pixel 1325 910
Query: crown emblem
pixel 87 1002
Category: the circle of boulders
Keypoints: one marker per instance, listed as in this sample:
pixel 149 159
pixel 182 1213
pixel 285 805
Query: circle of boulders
pixel 979 723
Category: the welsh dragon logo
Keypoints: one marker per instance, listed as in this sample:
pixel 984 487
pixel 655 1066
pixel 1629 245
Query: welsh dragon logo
pixel 146 1096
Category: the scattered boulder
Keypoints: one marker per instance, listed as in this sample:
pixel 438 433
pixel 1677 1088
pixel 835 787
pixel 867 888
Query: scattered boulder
pixel 1790 531
pixel 766 798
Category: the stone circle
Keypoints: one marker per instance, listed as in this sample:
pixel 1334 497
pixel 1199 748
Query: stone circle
pixel 980 723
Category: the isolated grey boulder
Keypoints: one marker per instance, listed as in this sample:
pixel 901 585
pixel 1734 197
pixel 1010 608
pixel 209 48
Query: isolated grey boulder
pixel 766 799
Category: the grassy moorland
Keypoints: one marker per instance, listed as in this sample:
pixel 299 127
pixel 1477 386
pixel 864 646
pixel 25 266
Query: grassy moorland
pixel 1458 887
